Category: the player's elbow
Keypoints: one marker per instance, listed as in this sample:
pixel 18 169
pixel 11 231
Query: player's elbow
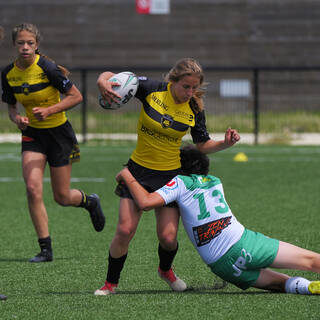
pixel 145 205
pixel 80 98
pixel 147 208
pixel 150 201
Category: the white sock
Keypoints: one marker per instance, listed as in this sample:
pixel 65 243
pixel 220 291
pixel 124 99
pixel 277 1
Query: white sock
pixel 297 285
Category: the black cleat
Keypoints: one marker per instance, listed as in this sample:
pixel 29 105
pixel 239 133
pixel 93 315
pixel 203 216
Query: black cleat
pixel 43 256
pixel 96 214
pixel 3 297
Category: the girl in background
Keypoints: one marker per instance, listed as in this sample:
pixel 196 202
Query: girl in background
pixel 47 136
pixel 2 296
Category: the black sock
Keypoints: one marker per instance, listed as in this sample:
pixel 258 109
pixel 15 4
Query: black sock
pixel 166 257
pixel 84 201
pixel 114 268
pixel 45 244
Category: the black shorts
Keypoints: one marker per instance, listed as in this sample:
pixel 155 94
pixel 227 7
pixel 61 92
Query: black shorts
pixel 151 180
pixel 59 144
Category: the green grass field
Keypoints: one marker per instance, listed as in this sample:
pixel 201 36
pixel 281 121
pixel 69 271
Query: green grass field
pixel 276 192
pixel 122 121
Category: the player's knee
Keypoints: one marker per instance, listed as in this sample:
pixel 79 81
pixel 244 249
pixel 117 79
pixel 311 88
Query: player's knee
pixel 62 199
pixel 34 192
pixel 168 240
pixel 125 233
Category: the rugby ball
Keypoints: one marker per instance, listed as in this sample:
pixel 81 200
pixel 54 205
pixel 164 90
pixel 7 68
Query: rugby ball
pixel 129 83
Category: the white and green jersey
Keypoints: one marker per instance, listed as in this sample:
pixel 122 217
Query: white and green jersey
pixel 206 216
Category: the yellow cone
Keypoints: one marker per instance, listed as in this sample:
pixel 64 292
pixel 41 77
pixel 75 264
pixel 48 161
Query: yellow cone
pixel 240 157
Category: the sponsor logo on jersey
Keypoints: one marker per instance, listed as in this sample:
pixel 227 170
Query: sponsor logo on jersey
pixel 205 233
pixel 166 121
pixel 203 179
pixel 25 88
pixel 184 115
pixel 159 102
pixel 171 185
pixel 157 135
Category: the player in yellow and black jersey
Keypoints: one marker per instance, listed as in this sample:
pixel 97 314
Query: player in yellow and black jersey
pixel 38 86
pixel 163 123
pixel 36 83
pixel 2 296
pixel 169 109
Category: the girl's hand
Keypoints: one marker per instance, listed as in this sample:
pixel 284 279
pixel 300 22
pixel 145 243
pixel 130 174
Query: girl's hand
pixel 120 177
pixel 22 122
pixel 106 87
pixel 231 137
pixel 40 113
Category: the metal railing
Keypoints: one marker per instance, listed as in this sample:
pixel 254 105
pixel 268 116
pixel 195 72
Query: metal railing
pixel 261 91
pixel 258 78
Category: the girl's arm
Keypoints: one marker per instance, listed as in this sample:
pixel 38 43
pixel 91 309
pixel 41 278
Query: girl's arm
pixel 211 146
pixel 71 99
pixel 145 200
pixel 15 117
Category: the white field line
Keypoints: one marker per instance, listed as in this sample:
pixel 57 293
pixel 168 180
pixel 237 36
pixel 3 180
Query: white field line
pixel 246 138
pixel 82 179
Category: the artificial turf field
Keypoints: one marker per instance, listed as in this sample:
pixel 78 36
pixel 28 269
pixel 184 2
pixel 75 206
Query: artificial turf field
pixel 276 192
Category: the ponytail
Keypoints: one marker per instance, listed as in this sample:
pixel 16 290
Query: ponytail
pixel 64 70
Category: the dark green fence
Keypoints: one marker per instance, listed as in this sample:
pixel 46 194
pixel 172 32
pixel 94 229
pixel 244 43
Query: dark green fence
pixel 279 102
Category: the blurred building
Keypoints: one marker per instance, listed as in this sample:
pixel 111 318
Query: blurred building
pixel 216 32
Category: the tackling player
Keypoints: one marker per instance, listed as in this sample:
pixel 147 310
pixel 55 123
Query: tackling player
pixel 234 253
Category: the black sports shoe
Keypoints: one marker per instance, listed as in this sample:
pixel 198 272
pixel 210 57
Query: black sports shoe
pixel 3 297
pixel 44 256
pixel 96 214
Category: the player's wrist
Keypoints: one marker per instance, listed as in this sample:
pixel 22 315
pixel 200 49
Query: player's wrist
pixel 16 119
pixel 132 181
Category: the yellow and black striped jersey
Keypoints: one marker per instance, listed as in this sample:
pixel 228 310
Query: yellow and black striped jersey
pixel 39 85
pixel 162 125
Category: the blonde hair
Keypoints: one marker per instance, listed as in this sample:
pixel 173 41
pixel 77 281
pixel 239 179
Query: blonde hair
pixel 189 67
pixel 34 30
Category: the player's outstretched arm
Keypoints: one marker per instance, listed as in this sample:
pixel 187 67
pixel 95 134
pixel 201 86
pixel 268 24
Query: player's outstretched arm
pixel 144 199
pixel 210 146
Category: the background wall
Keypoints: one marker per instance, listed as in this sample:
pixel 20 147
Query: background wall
pixel 216 32
pixel 109 34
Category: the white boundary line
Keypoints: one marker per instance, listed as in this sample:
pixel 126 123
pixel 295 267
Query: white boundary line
pixel 246 138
